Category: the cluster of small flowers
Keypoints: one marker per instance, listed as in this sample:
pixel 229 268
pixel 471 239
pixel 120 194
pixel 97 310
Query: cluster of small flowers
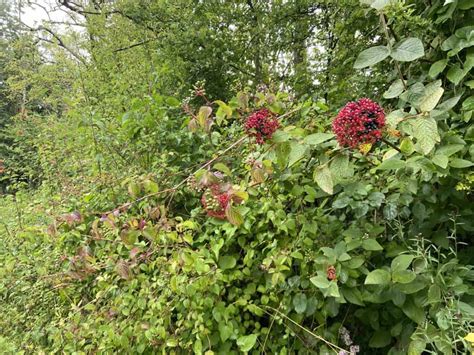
pixel 215 201
pixel 261 124
pixel 346 339
pixel 359 122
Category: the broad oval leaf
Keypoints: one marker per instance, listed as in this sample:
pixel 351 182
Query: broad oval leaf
pixel 371 56
pixel 378 277
pixel 431 96
pixel 323 177
pixel 408 50
pixel 394 90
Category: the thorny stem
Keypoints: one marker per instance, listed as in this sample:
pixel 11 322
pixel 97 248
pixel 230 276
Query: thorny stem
pixel 389 44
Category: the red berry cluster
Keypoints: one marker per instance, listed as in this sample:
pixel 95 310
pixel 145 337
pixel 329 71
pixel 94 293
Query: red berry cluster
pixel 215 201
pixel 261 124
pixel 359 123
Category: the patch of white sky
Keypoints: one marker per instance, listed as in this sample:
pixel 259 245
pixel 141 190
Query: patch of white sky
pixel 33 13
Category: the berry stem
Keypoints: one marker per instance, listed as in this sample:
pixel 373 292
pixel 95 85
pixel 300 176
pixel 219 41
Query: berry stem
pixel 391 144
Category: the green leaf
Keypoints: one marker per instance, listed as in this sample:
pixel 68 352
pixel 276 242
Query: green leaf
pixel 300 302
pixel 448 104
pixel 403 276
pixel 227 262
pixel 318 138
pixel 223 168
pixel 233 215
pixel 431 96
pixel 450 149
pixel 437 67
pixel 353 295
pixel 371 244
pixel 408 50
pixel 401 262
pixel 460 163
pixel 320 281
pixel 378 277
pixel 407 146
pixel 394 90
pixel 380 339
pixel 425 130
pixel 440 160
pixel 172 101
pixel 371 56
pixel 469 84
pixel 341 168
pixel 468 104
pixel 416 347
pixel 246 342
pixel 197 348
pixel 225 331
pixel 224 107
pixel 280 136
pixel 296 153
pixel 322 176
pixel 391 164
pixel 455 74
pixel 413 312
pixel 203 115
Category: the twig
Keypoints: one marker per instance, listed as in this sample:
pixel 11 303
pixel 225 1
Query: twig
pixel 391 144
pixel 389 44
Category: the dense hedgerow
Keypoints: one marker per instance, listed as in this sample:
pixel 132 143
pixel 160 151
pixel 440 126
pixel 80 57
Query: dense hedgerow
pixel 260 228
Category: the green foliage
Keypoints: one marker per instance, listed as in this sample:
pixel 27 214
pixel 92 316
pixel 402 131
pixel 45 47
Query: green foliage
pixel 319 249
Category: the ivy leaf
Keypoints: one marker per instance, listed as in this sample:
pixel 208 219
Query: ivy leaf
pixel 408 50
pixel 318 138
pixel 431 96
pixel 322 176
pixel 394 90
pixel 371 56
pixel 425 130
pixel 378 277
pixel 246 342
pixel 300 302
pixel 437 67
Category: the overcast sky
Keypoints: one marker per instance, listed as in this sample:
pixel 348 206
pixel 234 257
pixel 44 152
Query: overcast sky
pixel 35 13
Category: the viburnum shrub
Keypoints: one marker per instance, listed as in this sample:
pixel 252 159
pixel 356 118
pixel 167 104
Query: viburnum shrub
pixel 359 122
pixel 215 201
pixel 261 124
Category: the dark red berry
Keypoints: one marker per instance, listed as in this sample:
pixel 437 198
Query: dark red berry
pixel 359 122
